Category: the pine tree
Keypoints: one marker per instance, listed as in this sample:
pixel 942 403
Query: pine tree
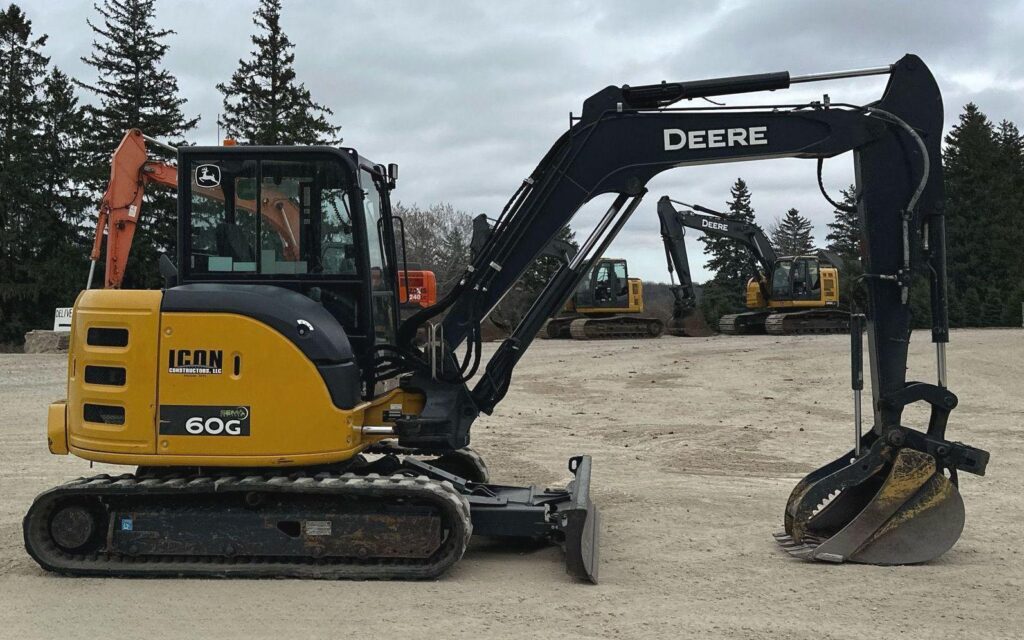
pixel 62 242
pixel 976 245
pixel 844 231
pixel 791 235
pixel 1010 219
pixel 22 74
pixel 134 90
pixel 264 103
pixel 730 262
pixel 844 240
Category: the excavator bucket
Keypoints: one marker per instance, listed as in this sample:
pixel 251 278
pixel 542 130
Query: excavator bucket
pixel 891 506
pixel 691 325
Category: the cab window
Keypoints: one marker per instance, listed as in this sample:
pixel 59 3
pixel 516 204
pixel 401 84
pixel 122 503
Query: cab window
pixel 806 280
pixel 602 283
pixel 274 218
pixel 224 221
pixel 622 281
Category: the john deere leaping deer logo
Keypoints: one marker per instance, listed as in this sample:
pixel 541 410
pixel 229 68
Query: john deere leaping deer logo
pixel 208 175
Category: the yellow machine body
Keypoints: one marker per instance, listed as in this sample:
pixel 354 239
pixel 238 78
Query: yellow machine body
pixel 118 391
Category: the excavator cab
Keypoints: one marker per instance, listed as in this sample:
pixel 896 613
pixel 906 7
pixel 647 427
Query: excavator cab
pixel 801 281
pixel 796 278
pixel 607 288
pixel 315 221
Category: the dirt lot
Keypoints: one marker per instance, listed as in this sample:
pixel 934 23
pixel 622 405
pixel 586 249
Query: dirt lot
pixel 696 445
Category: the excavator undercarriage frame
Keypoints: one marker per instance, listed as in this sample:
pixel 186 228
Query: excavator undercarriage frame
pixel 399 517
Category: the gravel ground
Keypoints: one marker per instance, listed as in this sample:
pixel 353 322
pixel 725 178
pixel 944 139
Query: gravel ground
pixel 696 445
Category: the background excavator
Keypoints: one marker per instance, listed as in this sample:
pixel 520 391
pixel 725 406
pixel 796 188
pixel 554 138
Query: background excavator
pixel 787 294
pixel 282 422
pixel 606 304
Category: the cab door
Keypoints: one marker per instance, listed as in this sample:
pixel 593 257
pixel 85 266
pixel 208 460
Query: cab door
pixel 380 255
pixel 806 280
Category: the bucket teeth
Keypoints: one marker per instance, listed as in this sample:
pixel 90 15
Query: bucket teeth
pixel 803 551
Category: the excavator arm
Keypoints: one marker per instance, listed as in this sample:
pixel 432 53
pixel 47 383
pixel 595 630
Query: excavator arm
pixel 687 320
pixel 628 135
pixel 131 170
pixel 716 223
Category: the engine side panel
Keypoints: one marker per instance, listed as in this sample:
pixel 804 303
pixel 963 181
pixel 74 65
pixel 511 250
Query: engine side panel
pixel 230 385
pixel 196 388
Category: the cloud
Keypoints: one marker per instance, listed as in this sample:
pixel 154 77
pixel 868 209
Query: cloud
pixel 467 96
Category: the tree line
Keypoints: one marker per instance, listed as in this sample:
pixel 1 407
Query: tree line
pixel 57 133
pixel 55 150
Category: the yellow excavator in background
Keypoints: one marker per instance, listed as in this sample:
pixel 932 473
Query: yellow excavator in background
pixel 607 304
pixel 787 295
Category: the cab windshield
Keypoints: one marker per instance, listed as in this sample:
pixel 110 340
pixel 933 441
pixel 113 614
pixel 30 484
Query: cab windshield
pixel 270 217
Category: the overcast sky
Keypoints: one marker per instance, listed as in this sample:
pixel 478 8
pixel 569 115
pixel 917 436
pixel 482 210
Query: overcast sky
pixel 467 96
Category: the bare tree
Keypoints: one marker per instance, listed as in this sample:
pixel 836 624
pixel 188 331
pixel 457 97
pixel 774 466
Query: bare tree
pixel 437 239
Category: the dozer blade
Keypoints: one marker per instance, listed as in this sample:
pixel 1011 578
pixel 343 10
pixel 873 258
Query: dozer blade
pixel 691 325
pixel 564 516
pixel 581 524
pixel 874 511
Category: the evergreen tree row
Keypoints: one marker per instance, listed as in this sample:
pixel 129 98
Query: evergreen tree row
pixel 55 151
pixel 55 145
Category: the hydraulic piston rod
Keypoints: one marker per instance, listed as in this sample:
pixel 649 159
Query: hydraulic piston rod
pixel 667 93
pixel 836 75
pixel 857 376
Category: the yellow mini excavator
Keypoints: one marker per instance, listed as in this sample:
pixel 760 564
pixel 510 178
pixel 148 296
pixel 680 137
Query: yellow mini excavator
pixel 607 304
pixel 279 420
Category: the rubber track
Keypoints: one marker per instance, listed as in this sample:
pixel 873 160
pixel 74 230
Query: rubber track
pixel 453 506
pixel 750 322
pixel 807 323
pixel 615 327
